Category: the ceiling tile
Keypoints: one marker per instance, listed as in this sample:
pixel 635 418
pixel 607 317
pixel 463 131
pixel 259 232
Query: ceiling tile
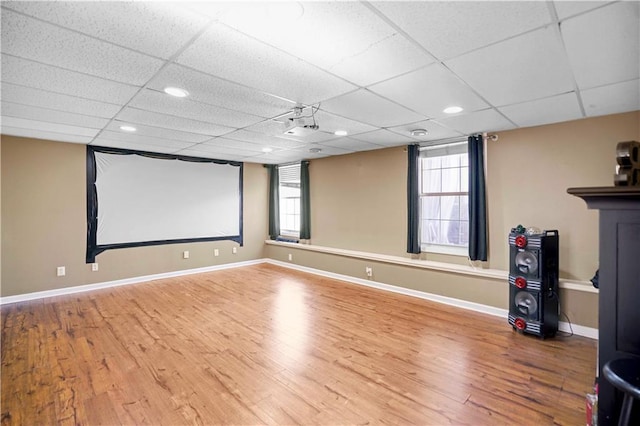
pixel 325 151
pixel 43 126
pixel 325 34
pixel 214 91
pixel 450 28
pixel 225 53
pixel 384 137
pixel 604 45
pixel 31 74
pixel 563 107
pixel 367 107
pixel 219 149
pixel 262 139
pixel 38 41
pixel 279 157
pixel 612 99
pixel 42 134
pixel 331 123
pixel 151 100
pixel 157 132
pixel 481 121
pixel 137 146
pixel 135 138
pixel 565 9
pixel 434 131
pixel 349 144
pixel 29 112
pixel 44 99
pixel 137 25
pixel 156 119
pixel 429 91
pixel 212 155
pixel 230 144
pixel 523 68
pixel 387 58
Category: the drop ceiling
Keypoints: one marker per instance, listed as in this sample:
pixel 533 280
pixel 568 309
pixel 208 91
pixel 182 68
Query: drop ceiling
pixel 78 71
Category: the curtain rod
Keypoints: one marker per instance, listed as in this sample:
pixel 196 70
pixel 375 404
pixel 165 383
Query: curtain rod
pixel 486 136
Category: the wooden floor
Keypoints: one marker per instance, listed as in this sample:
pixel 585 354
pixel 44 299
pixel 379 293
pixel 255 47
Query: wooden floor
pixel 266 345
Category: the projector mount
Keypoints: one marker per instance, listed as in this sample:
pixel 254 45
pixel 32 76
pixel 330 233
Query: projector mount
pixel 301 125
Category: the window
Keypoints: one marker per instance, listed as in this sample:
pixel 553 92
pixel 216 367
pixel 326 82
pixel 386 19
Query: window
pixel 289 200
pixel 444 198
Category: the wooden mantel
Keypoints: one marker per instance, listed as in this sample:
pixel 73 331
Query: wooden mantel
pixel 619 316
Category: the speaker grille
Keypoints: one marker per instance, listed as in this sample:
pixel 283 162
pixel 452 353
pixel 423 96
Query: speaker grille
pixel 526 262
pixel 526 304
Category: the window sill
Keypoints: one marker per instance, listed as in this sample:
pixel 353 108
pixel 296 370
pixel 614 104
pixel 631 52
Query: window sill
pixel 494 274
pixel 450 250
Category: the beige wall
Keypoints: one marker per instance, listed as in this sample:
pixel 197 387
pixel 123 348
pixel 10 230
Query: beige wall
pixel 358 202
pixel 529 171
pixel 44 223
pixel 0 214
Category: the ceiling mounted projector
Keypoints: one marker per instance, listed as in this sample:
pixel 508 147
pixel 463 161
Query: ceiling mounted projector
pixel 300 125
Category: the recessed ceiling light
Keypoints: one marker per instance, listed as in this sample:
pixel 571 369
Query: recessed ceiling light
pixel 452 110
pixel 340 133
pixel 267 149
pixel 128 128
pixel 176 91
pixel 315 150
pixel 419 132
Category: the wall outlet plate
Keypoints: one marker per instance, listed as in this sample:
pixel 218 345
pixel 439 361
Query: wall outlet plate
pixel 61 271
pixel 216 252
pixel 185 254
pixel 234 250
pixel 94 267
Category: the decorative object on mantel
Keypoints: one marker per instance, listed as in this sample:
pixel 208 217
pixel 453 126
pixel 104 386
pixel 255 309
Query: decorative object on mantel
pixel 628 158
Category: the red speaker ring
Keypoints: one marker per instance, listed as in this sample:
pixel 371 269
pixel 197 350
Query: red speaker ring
pixel 521 241
pixel 521 282
pixel 520 324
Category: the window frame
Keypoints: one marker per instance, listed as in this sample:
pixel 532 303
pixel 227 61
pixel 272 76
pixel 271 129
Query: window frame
pixel 451 148
pixel 289 233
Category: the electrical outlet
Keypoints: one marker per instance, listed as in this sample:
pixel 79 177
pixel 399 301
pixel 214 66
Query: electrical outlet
pixel 94 267
pixel 216 252
pixel 185 254
pixel 369 271
pixel 234 250
pixel 61 271
pixel 290 257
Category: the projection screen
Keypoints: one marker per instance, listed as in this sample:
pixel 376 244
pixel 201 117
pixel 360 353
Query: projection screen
pixel 137 198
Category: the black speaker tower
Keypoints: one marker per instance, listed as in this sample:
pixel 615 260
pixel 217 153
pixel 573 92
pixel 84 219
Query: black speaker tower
pixel 533 282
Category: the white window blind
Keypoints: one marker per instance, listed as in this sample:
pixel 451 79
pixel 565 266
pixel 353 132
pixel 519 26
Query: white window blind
pixel 444 196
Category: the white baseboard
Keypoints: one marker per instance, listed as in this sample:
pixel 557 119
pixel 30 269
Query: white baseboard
pixel 485 309
pixel 117 283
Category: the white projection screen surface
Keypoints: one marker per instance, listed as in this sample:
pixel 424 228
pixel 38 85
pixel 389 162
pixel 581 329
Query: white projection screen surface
pixel 148 200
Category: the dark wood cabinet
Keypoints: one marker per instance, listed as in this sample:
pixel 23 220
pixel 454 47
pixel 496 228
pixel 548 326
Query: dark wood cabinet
pixel 619 283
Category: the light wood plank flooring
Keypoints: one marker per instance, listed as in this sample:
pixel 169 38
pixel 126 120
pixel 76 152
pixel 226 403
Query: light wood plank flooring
pixel 266 345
